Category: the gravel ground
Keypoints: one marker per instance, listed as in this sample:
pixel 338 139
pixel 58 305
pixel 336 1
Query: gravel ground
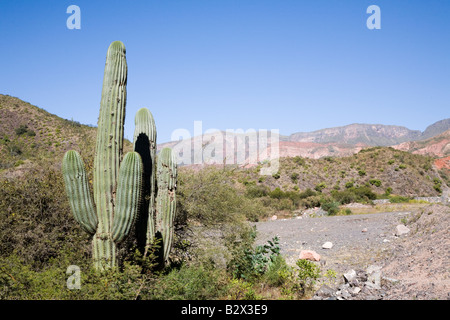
pixel 355 238
pixel 363 240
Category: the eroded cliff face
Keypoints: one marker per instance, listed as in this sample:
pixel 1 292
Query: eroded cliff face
pixel 438 146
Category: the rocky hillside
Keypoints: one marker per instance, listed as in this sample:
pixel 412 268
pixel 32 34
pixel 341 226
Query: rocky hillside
pixel 438 145
pixel 380 168
pixel 30 135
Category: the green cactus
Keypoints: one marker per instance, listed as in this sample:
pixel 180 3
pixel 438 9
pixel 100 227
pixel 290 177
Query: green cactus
pixel 144 141
pixel 117 186
pixel 166 172
pixel 157 212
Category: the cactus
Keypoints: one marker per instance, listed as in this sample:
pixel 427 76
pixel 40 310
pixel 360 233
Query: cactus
pixel 117 186
pixel 166 200
pixel 158 210
pixel 144 141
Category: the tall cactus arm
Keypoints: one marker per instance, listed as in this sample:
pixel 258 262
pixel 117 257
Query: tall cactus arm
pixel 145 144
pixel 166 199
pixel 128 195
pixel 77 189
pixel 110 135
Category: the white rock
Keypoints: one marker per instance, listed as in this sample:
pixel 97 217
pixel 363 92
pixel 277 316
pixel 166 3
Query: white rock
pixel 327 245
pixel 401 229
pixel 356 290
pixel 350 275
pixel 374 275
pixel 371 285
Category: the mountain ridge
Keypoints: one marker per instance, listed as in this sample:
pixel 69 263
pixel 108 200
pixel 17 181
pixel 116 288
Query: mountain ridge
pixel 58 135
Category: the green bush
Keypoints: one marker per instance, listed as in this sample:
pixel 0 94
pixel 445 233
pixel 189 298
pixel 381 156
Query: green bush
pixel 308 273
pixel 208 197
pixel 250 262
pixel 299 160
pixel 319 187
pixel 257 191
pixel 398 199
pixel 294 177
pixel 190 282
pixel 23 129
pixel 330 206
pixel 375 182
pixel 311 202
pixel 354 194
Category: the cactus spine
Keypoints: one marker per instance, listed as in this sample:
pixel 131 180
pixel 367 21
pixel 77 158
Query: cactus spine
pixel 117 187
pixel 158 210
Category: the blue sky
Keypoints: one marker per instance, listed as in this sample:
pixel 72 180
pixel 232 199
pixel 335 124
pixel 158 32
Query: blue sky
pixel 290 65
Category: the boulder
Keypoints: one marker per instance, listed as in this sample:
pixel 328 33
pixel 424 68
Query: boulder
pixel 401 229
pixel 309 255
pixel 350 275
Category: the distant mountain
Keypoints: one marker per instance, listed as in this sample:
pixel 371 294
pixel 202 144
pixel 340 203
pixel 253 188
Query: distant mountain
pixel 436 129
pixel 337 141
pixel 370 134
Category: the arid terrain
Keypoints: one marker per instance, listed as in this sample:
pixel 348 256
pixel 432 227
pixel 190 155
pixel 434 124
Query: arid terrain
pixel 414 265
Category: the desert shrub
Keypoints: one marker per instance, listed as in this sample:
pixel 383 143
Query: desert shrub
pixel 189 282
pixel 36 221
pixel 388 191
pixel 308 273
pixel 319 187
pixel 251 262
pixel 257 191
pixel 345 197
pixel 310 202
pixel 207 197
pixel 437 185
pixel 307 193
pixel 398 199
pixel 23 129
pixel 354 194
pixel 277 193
pixel 278 273
pixel 299 160
pixel 330 206
pixel 375 182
